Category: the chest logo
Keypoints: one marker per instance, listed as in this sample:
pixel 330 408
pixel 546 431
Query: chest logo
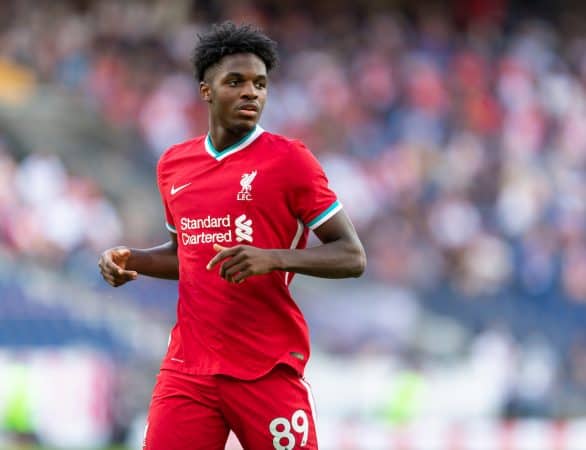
pixel 174 189
pixel 243 228
pixel 246 184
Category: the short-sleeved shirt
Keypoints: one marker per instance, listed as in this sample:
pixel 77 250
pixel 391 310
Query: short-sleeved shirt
pixel 266 191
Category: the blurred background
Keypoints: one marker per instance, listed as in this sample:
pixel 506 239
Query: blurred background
pixel 455 135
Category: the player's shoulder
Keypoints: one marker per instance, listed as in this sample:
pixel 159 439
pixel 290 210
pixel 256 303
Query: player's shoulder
pixel 180 149
pixel 293 152
pixel 287 145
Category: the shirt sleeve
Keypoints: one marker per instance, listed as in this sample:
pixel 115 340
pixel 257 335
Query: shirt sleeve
pixel 169 222
pixel 311 198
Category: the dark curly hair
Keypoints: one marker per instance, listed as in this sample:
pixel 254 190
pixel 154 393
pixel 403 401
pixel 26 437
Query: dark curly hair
pixel 228 39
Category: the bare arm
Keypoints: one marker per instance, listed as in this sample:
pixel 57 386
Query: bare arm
pixel 341 255
pixel 119 265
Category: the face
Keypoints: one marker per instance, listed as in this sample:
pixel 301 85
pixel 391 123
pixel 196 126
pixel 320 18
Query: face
pixel 236 90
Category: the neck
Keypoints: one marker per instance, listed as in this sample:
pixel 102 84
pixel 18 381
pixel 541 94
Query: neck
pixel 223 138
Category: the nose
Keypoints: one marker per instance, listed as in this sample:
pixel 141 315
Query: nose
pixel 249 90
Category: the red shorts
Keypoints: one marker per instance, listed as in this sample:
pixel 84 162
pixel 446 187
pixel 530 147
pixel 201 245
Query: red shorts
pixel 194 412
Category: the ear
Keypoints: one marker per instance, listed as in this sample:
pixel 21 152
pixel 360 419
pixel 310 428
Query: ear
pixel 205 92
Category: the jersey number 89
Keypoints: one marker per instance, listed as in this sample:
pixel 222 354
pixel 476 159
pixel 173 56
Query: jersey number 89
pixel 280 428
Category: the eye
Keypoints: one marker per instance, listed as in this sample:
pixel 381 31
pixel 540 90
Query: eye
pixel 233 83
pixel 260 85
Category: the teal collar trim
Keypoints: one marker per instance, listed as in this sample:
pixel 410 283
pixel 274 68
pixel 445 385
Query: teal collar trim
pixel 240 145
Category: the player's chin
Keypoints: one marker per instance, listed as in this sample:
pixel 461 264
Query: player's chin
pixel 243 125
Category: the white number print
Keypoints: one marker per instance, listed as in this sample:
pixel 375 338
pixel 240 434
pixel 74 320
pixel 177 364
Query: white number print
pixel 280 428
pixel 301 425
pixel 282 434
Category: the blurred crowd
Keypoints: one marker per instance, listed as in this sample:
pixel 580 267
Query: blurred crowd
pixel 458 151
pixel 455 138
pixel 47 214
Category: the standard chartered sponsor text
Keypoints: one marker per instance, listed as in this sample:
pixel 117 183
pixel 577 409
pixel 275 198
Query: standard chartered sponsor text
pixel 206 238
pixel 205 223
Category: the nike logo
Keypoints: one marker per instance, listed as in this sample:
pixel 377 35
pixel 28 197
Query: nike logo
pixel 174 189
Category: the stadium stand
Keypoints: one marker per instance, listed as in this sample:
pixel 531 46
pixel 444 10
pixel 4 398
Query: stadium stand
pixel 453 132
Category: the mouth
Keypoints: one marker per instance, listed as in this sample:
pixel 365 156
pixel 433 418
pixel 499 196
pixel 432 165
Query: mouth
pixel 250 107
pixel 248 111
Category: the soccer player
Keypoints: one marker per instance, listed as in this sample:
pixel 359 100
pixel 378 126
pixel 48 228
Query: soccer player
pixel 239 203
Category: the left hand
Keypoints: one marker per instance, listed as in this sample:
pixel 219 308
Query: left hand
pixel 242 261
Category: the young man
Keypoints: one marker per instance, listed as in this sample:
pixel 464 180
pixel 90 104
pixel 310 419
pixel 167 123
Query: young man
pixel 239 203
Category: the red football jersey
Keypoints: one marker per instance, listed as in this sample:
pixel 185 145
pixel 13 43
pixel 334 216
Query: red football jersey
pixel 266 191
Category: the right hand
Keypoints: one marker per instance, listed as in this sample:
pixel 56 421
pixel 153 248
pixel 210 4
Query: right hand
pixel 112 266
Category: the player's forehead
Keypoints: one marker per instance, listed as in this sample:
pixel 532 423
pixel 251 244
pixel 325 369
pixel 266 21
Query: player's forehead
pixel 248 64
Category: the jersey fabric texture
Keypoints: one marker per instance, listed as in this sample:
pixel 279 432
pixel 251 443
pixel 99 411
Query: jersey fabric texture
pixel 274 412
pixel 266 191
